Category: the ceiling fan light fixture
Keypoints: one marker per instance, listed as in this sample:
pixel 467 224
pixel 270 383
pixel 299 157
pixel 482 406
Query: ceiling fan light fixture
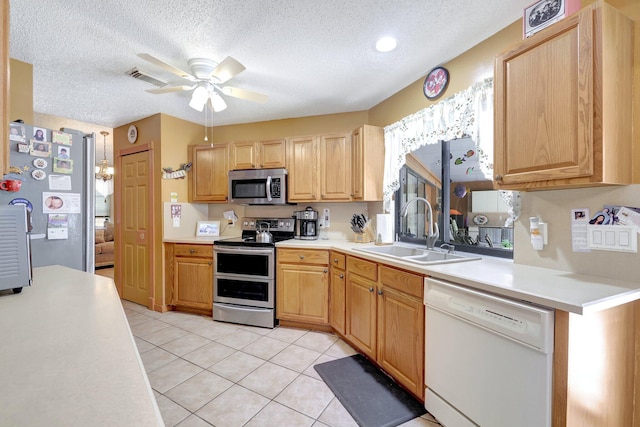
pixel 217 102
pixel 199 98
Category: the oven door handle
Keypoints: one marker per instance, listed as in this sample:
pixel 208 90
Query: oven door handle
pixel 269 198
pixel 243 250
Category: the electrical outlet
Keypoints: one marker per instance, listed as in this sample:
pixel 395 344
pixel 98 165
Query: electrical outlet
pixel 326 218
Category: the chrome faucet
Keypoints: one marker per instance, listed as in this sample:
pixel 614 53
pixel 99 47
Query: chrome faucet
pixel 433 233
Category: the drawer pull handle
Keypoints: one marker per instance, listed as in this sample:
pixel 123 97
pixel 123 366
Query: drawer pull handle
pixel 370 289
pixel 326 271
pixel 380 292
pixel 335 260
pixel 499 178
pixel 301 256
pixel 342 276
pixel 192 251
pixel 210 262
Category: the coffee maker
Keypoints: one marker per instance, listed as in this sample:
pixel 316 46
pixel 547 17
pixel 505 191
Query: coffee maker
pixel 306 224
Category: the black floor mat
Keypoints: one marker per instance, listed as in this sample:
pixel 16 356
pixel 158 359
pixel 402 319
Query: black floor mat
pixel 371 397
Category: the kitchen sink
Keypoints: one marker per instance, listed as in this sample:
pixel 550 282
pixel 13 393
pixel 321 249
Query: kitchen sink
pixel 418 255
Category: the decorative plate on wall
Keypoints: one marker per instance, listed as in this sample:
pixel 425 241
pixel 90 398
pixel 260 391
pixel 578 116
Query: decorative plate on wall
pixel 436 83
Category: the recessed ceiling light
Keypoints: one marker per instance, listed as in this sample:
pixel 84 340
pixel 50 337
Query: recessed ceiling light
pixel 386 44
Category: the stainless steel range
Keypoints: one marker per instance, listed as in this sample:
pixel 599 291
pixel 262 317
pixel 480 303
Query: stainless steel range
pixel 244 284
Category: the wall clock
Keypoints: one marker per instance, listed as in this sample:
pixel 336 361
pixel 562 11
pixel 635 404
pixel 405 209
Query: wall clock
pixel 132 134
pixel 436 83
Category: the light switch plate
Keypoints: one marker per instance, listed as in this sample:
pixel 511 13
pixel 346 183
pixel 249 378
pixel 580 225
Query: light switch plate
pixel 618 238
pixel 326 218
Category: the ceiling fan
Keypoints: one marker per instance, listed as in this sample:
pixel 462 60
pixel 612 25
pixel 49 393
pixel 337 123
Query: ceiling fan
pixel 206 77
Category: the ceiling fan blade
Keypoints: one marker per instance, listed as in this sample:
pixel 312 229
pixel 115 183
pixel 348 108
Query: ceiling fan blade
pixel 228 68
pixel 245 94
pixel 170 89
pixel 168 67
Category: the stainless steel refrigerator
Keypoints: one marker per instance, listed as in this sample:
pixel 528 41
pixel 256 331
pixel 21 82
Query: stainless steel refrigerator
pixel 57 171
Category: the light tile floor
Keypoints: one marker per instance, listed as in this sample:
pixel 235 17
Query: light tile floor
pixel 206 373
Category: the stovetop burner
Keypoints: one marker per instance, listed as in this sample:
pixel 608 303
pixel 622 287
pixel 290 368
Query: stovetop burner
pixel 280 228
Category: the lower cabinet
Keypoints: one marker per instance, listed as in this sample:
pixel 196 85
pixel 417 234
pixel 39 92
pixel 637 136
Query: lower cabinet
pixel 302 291
pixel 189 275
pixel 337 291
pixel 401 327
pixel 385 319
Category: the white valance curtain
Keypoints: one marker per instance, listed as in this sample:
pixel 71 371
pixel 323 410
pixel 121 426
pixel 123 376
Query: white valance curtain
pixel 467 113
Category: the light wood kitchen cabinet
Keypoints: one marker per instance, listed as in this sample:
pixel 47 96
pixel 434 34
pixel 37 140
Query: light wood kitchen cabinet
pixel 362 286
pixel 401 327
pixel 385 319
pixel 302 293
pixel 335 166
pixel 563 104
pixel 337 291
pixel 302 155
pixel 4 89
pixel 190 276
pixel 208 179
pixel 267 154
pixel 367 160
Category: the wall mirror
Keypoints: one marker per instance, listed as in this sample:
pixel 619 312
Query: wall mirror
pixel 479 218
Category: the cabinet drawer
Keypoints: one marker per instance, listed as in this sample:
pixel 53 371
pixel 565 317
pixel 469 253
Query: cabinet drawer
pixel 193 250
pixel 403 281
pixel 303 256
pixel 363 268
pixel 338 260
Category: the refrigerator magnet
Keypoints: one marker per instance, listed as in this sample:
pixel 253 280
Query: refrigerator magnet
pixel 40 163
pixel 38 174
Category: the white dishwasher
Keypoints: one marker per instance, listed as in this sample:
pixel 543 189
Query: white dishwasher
pixel 488 360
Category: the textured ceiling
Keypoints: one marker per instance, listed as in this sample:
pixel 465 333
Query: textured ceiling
pixel 310 57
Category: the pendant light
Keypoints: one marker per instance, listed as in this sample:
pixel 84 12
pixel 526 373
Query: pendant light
pixel 104 171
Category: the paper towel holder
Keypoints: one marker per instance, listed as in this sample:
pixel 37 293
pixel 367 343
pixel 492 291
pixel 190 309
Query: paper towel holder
pixel 380 230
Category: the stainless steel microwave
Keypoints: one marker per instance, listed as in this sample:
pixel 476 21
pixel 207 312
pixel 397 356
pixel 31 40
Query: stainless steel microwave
pixel 258 186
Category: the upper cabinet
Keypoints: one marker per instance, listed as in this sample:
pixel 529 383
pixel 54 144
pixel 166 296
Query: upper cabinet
pixel 367 162
pixel 302 155
pixel 337 167
pixel 4 89
pixel 563 104
pixel 208 181
pixel 258 155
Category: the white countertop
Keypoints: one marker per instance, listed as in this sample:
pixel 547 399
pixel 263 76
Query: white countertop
pixel 572 292
pixel 68 357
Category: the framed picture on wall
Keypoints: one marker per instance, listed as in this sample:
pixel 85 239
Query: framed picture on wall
pixel 208 228
pixel 544 13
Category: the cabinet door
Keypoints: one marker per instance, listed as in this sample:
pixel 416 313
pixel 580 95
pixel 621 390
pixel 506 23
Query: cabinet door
pixel 302 159
pixel 544 105
pixel 208 180
pixel 302 293
pixel 193 282
pixel 335 165
pixel 272 153
pixel 337 303
pixel 367 160
pixel 243 155
pixel 401 338
pixel 361 314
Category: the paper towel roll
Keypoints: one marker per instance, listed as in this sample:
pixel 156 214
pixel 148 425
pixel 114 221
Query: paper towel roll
pixel 384 232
